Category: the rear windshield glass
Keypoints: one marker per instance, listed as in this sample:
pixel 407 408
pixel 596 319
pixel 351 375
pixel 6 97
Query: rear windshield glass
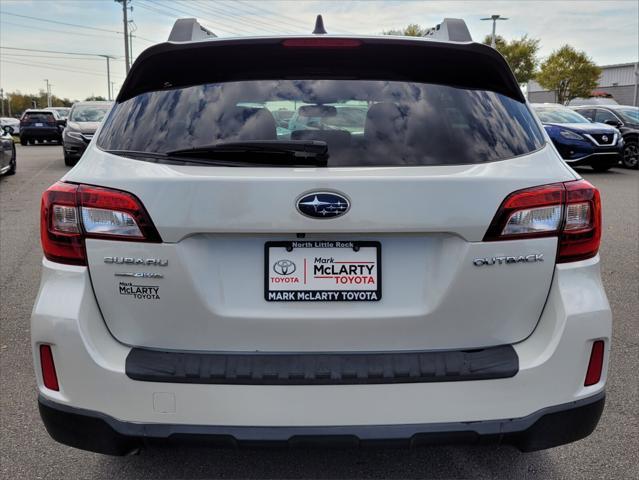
pixel 364 123
pixel 559 115
pixel 88 113
pixel 39 117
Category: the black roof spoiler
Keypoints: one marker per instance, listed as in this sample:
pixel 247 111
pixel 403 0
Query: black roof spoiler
pixel 446 56
pixel 188 30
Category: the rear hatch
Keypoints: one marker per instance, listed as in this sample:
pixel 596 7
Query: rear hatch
pixel 380 249
pixel 38 120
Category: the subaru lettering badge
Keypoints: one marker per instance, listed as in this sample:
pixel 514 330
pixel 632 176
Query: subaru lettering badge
pixel 323 205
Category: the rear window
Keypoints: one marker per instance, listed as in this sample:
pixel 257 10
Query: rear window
pixel 88 113
pixel 373 123
pixel 40 117
pixel 559 115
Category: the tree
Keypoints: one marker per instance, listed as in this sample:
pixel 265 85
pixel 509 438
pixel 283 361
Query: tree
pixel 412 30
pixel 521 55
pixel 569 73
pixel 21 101
pixel 94 98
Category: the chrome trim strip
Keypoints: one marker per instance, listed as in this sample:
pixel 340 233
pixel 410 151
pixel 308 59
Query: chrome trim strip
pixel 591 138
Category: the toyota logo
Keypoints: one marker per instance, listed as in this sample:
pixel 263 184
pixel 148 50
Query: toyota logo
pixel 323 205
pixel 284 267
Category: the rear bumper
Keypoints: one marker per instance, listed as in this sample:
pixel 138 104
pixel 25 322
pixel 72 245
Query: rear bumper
pixel 44 133
pixel 91 369
pixel 545 428
pixel 605 158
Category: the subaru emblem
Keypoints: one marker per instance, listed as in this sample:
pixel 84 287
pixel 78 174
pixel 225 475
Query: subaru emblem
pixel 323 205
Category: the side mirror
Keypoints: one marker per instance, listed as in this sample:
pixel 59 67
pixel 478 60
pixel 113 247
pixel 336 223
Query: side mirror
pixel 614 123
pixel 8 129
pixel 62 123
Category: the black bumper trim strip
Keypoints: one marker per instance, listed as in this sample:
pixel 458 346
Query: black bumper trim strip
pixel 321 368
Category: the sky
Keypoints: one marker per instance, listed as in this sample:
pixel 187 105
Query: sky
pixel 607 30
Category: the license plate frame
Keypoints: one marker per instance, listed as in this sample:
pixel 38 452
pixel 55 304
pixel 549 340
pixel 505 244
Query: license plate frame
pixel 327 295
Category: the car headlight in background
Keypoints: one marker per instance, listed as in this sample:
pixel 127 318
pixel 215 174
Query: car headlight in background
pixel 570 135
pixel 76 135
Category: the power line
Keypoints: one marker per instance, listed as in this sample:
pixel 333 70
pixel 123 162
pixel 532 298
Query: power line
pixel 236 18
pixel 26 55
pixel 53 67
pixel 272 24
pixel 65 67
pixel 63 53
pixel 33 27
pixel 279 17
pixel 61 23
pixel 167 13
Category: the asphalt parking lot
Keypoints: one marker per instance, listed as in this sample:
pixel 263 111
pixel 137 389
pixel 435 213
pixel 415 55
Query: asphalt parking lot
pixel 26 451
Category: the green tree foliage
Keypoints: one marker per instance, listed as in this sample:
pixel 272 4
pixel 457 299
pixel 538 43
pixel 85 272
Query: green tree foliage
pixel 521 55
pixel 569 73
pixel 412 30
pixel 95 98
pixel 21 101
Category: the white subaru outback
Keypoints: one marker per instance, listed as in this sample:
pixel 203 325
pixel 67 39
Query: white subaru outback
pixel 412 263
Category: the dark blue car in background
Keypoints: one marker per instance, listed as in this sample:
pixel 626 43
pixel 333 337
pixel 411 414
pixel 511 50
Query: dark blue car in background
pixel 579 141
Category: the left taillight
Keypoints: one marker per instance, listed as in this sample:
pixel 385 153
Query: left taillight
pixel 570 211
pixel 70 213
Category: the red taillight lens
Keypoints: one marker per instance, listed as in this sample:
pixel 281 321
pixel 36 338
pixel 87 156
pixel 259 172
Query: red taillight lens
pixel 581 234
pixel 70 213
pixel 114 214
pixel 595 365
pixel 570 210
pixel 60 230
pixel 532 212
pixel 49 377
pixel 322 42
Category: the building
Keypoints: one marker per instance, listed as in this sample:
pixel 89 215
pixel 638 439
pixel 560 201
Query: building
pixel 619 80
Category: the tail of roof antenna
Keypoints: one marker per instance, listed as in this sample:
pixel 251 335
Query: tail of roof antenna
pixel 188 30
pixel 451 30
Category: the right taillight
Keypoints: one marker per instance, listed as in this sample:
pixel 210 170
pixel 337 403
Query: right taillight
pixel 70 213
pixel 570 211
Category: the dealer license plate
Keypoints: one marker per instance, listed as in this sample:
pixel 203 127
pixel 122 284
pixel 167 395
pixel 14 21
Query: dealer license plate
pixel 322 271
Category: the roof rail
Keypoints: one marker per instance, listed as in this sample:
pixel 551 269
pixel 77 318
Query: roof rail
pixel 451 29
pixel 187 30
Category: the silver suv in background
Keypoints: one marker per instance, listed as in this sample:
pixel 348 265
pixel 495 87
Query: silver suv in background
pixel 83 121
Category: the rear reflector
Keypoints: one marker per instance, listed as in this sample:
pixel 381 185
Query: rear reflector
pixel 321 43
pixel 49 376
pixel 570 211
pixel 71 213
pixel 595 365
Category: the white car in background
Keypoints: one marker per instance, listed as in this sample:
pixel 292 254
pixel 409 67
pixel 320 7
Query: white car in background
pixel 433 278
pixel 14 123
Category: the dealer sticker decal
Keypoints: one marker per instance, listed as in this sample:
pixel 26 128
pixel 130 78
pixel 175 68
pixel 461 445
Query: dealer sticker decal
pixel 140 292
pixel 328 271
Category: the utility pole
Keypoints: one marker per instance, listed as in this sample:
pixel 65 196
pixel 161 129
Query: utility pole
pixel 2 101
pixel 108 75
pixel 125 21
pixel 48 92
pixel 132 28
pixel 494 18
